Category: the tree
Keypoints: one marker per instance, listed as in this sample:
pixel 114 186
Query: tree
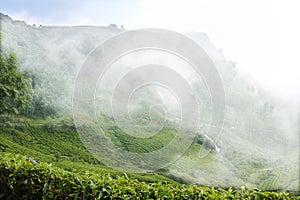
pixel 14 87
pixel 48 93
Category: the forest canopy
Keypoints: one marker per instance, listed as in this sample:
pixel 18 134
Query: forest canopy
pixel 15 87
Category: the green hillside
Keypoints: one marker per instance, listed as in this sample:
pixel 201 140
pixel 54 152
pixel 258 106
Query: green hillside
pixel 54 141
pixel 23 179
pixel 75 172
pixel 43 156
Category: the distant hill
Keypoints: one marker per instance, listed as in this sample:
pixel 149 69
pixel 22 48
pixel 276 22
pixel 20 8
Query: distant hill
pixel 258 145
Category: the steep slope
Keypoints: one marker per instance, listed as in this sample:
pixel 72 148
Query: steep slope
pixel 23 179
pixel 56 141
pixel 255 149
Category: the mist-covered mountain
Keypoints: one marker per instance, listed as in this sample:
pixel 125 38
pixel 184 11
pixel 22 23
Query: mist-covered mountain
pixel 259 138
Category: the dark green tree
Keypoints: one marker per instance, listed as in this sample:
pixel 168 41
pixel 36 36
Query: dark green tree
pixel 15 91
pixel 47 93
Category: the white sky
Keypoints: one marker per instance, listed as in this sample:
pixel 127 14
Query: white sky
pixel 263 37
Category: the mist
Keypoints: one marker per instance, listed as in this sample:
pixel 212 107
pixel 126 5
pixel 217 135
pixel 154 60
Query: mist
pixel 259 140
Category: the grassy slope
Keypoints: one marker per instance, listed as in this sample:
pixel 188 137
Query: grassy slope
pixel 55 141
pixel 21 179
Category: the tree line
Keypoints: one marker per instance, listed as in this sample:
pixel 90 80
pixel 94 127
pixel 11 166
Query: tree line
pixel 23 91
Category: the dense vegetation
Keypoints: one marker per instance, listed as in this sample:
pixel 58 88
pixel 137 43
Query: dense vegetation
pixel 54 141
pixel 78 174
pixel 15 88
pixel 36 129
pixel 24 179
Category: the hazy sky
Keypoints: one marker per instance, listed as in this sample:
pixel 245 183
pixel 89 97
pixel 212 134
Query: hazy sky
pixel 261 36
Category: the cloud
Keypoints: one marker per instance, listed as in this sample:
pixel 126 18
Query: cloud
pixel 259 36
pixel 262 37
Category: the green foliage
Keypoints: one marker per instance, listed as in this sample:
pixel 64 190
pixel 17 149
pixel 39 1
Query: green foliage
pixel 28 93
pixel 54 138
pixel 22 179
pixel 142 145
pixel 200 139
pixel 55 141
pixel 15 92
pixel 49 91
